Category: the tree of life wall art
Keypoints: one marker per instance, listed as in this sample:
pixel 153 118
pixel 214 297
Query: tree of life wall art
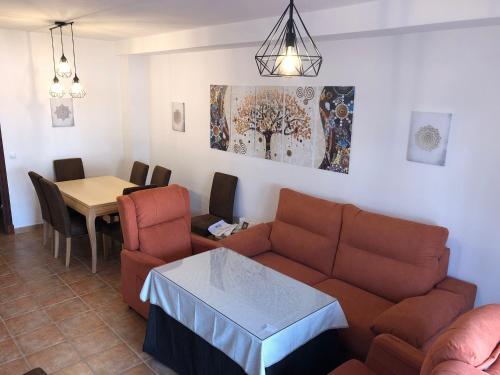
pixel 306 126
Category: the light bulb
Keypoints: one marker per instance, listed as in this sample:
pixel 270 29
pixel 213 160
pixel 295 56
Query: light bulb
pixel 56 89
pixel 289 64
pixel 77 90
pixel 63 68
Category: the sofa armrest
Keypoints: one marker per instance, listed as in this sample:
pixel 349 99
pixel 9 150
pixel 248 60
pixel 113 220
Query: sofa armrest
pixel 250 242
pixel 391 355
pixel 463 288
pixel 417 319
pixel 201 244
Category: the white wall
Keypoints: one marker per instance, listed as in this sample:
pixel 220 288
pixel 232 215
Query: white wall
pixel 26 71
pixel 448 71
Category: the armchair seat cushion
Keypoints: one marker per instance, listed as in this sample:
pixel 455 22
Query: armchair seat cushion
pixel 290 268
pixel 361 309
pixel 200 224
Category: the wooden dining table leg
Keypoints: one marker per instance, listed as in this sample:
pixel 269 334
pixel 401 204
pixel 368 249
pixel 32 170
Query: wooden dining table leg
pixel 93 238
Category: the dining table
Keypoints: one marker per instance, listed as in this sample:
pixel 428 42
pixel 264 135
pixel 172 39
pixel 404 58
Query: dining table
pixel 93 197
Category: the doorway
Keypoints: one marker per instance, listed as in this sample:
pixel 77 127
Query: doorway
pixel 6 225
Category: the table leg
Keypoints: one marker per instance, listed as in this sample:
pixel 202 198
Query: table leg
pixel 92 235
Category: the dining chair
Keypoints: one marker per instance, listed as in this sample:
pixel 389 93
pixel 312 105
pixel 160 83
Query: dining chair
pixel 139 173
pixel 44 207
pixel 68 169
pixel 160 176
pixel 221 204
pixel 66 222
pixel 112 231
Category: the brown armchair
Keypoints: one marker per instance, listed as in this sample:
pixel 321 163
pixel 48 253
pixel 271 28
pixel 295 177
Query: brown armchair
pixel 469 346
pixel 156 227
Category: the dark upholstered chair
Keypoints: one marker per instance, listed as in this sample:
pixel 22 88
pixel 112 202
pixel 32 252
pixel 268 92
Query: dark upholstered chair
pixel 112 231
pixel 139 173
pixel 66 222
pixel 68 169
pixel 44 207
pixel 221 204
pixel 160 176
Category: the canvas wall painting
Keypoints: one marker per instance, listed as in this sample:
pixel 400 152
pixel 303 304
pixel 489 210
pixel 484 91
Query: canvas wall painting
pixel 62 112
pixel 305 125
pixel 178 117
pixel 428 140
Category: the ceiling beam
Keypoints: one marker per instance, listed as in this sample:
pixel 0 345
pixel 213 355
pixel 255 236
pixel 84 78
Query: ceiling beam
pixel 372 18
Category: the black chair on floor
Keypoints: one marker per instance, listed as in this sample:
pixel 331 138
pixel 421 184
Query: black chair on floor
pixel 66 222
pixel 112 231
pixel 221 204
pixel 68 169
pixel 139 173
pixel 44 207
pixel 160 176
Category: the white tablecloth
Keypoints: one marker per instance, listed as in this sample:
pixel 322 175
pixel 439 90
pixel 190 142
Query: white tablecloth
pixel 215 312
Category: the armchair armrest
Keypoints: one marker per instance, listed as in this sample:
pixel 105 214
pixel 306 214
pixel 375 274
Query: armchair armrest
pixel 138 263
pixel 200 244
pixel 250 242
pixel 391 355
pixel 463 288
pixel 456 368
pixel 417 319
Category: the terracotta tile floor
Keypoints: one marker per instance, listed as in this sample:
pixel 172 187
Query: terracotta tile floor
pixel 67 321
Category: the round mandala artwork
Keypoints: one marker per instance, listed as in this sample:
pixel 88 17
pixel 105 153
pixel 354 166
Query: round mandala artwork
pixel 428 138
pixel 62 112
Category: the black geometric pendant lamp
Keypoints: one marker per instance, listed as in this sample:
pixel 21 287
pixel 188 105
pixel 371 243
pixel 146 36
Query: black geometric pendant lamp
pixel 289 50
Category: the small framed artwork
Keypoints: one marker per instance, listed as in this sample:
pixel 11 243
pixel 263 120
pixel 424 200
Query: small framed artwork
pixel 62 112
pixel 428 141
pixel 178 123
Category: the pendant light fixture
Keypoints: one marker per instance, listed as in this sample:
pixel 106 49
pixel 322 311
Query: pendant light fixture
pixel 63 68
pixel 76 90
pixel 289 50
pixel 56 89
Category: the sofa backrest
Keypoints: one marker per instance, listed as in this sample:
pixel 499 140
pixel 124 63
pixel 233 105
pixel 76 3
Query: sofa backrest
pixel 306 229
pixel 157 222
pixel 473 339
pixel 392 258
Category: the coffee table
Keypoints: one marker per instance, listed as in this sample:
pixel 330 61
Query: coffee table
pixel 254 315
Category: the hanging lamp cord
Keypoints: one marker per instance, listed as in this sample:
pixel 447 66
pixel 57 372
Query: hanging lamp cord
pixel 73 42
pixel 62 44
pixel 53 57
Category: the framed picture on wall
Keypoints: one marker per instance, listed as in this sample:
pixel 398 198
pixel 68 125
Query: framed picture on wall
pixel 178 121
pixel 428 140
pixel 62 112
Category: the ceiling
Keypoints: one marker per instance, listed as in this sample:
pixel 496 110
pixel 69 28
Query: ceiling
pixel 120 19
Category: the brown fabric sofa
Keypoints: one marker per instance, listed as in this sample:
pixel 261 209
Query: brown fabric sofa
pixel 390 275
pixel 470 346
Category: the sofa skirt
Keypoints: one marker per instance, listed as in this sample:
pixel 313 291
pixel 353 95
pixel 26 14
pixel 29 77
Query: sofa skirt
pixel 180 349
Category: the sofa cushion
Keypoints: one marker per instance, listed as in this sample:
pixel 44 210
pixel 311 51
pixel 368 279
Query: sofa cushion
pixel 416 320
pixel 472 339
pixel 392 258
pixel 361 309
pixel 306 229
pixel 290 268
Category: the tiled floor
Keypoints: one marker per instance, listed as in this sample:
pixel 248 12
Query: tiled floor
pixel 66 321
